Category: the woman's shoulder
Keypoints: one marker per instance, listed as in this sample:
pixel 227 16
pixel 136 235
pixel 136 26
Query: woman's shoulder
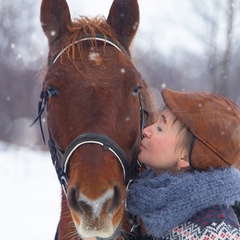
pixel 217 222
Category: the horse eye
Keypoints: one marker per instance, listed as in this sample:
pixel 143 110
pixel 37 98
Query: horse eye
pixel 52 92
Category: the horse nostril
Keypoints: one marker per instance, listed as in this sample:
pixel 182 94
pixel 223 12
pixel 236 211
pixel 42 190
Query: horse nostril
pixel 75 203
pixel 72 199
pixel 85 208
pixel 116 199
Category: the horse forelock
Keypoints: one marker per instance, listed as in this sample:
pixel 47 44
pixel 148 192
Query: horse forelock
pixel 80 28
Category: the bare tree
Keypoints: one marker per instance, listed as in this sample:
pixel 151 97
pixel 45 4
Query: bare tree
pixel 216 15
pixel 230 13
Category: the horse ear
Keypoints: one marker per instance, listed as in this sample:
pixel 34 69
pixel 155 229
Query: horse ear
pixel 124 19
pixel 55 18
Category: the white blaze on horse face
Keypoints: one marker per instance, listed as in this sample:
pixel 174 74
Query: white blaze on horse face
pixel 94 56
pixel 96 227
pixel 97 204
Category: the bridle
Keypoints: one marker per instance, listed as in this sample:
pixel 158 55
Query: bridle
pixel 89 137
pixel 85 138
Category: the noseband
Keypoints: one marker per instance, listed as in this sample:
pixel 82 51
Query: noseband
pixel 85 138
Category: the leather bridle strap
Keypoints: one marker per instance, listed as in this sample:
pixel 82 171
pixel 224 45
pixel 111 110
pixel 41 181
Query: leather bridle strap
pixel 100 139
pixel 143 121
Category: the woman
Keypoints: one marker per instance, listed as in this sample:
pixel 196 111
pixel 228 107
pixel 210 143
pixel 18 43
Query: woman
pixel 191 183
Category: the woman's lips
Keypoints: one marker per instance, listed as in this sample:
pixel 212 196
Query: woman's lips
pixel 142 147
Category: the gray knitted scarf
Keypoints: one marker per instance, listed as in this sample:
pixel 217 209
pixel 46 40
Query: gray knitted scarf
pixel 165 201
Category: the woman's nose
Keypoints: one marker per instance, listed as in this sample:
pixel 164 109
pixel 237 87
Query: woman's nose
pixel 146 132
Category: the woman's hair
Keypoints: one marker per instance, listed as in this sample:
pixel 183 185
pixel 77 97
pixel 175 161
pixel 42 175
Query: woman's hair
pixel 184 135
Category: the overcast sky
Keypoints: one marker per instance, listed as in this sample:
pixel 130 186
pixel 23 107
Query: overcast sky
pixel 161 22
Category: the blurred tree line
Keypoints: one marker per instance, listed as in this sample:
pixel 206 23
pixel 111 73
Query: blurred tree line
pixel 217 70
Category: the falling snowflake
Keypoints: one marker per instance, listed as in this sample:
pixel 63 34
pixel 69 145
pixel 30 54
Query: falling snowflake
pixel 123 70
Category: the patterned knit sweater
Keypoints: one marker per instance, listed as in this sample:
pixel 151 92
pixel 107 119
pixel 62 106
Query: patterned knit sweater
pixel 189 206
pixel 215 223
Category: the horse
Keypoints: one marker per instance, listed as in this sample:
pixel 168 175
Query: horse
pixel 96 104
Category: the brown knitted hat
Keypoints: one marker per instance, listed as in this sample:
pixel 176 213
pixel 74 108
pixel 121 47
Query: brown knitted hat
pixel 215 123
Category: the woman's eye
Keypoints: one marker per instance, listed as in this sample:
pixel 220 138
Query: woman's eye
pixel 159 129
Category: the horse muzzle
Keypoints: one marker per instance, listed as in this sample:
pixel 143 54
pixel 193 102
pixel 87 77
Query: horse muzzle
pixel 99 217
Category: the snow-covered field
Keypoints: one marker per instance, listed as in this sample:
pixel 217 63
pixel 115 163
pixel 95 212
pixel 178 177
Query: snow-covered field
pixel 29 194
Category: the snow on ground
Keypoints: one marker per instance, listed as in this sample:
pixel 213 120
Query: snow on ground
pixel 29 195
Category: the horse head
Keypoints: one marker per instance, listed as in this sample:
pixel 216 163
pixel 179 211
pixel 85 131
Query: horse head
pixel 94 99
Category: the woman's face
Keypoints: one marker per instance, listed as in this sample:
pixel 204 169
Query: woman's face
pixel 158 147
